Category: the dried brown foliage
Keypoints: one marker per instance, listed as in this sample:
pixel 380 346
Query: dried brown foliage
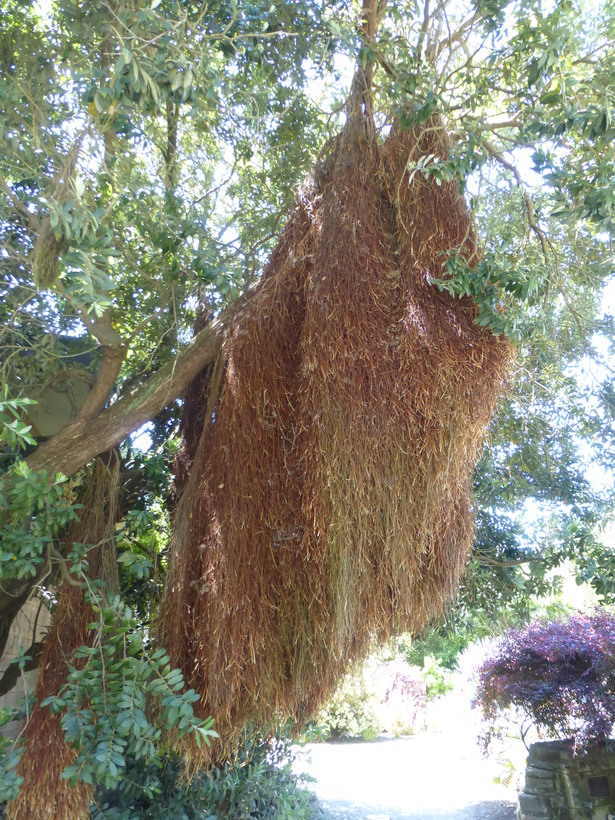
pixel 44 793
pixel 329 501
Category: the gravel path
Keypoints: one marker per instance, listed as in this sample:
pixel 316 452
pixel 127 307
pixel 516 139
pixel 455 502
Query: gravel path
pixel 424 776
pixel 434 774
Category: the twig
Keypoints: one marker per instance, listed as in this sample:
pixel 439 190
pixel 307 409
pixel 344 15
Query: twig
pixel 495 126
pixel 458 35
pixel 529 205
pixel 423 33
pixel 54 555
pixel 32 221
pixel 493 562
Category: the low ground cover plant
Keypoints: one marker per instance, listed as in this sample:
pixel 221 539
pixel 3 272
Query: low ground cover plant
pixel 559 675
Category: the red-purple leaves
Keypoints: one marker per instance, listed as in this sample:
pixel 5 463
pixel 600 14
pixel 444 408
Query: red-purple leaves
pixel 559 674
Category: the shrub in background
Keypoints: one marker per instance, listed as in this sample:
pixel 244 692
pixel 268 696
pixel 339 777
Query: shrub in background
pixel 403 697
pixel 384 695
pixel 449 640
pixel 351 713
pixel 437 678
pixel 559 674
pixel 440 642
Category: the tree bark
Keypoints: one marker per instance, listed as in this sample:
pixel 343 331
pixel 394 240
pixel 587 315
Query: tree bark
pixel 83 439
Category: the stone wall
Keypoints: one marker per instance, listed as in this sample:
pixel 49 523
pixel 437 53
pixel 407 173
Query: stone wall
pixel 562 786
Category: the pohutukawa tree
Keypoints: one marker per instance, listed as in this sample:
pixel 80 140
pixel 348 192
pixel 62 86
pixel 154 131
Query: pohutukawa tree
pixel 334 405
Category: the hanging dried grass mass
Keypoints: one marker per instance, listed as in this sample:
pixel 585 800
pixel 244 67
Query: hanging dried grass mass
pixel 329 501
pixel 44 793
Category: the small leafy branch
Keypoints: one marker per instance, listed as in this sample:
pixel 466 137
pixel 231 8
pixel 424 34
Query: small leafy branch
pixel 104 703
pixel 34 507
pixel 14 432
pixel 498 289
pixel 559 674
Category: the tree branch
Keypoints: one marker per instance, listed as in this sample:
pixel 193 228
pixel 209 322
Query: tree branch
pixel 100 327
pixel 493 562
pixel 458 35
pixel 423 33
pixel 83 439
pixel 107 376
pixel 527 199
pixel 170 152
pixel 495 126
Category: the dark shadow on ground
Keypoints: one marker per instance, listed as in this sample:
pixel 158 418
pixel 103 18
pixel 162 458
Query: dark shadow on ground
pixel 486 810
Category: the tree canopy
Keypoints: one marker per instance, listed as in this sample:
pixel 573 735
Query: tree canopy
pixel 150 155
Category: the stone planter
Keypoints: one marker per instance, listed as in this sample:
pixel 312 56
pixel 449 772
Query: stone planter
pixel 560 786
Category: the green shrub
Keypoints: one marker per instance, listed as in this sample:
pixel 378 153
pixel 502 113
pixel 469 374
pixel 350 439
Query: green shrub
pixel 350 713
pixel 438 679
pixel 400 728
pixel 259 784
pixel 438 643
pixel 447 641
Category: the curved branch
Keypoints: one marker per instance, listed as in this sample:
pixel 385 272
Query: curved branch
pixel 529 205
pixel 99 394
pixel 83 439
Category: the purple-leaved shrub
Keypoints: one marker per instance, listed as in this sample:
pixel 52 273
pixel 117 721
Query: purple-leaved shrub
pixel 558 674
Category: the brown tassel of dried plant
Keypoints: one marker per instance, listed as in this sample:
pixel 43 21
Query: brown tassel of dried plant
pixel 329 502
pixel 44 793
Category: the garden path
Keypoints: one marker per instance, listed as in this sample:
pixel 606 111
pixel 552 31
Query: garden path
pixel 438 774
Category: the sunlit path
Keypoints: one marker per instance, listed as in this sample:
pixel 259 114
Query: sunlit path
pixel 434 774
pixel 412 777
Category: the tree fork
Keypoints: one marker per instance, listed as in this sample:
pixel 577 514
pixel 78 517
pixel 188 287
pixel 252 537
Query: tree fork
pixel 82 439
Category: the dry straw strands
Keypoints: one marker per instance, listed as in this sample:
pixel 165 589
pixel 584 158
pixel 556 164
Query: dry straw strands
pixel 329 499
pixel 44 794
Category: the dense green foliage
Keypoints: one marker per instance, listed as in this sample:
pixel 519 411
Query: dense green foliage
pixel 149 152
pixel 115 680
pixel 259 784
pixel 350 712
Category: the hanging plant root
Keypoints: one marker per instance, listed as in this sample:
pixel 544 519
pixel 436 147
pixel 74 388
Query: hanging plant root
pixel 329 500
pixel 44 793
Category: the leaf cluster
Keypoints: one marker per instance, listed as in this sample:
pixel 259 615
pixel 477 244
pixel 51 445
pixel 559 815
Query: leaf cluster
pixel 118 699
pixel 259 783
pixel 559 674
pixel 34 508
